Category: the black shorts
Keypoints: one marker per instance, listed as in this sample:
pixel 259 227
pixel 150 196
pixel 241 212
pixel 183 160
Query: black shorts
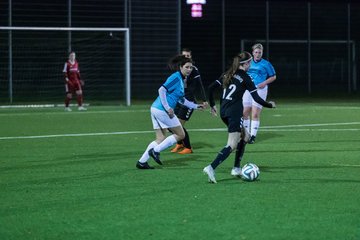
pixel 234 124
pixel 183 112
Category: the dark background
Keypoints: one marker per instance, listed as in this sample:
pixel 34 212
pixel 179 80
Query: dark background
pixel 160 28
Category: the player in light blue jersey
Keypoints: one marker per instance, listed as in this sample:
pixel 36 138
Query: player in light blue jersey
pixel 262 73
pixel 162 112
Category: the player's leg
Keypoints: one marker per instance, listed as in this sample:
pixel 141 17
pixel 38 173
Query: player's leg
pixel 180 144
pixel 255 112
pixel 79 94
pixel 233 139
pixel 183 113
pixel 178 134
pixel 164 122
pixel 247 103
pixel 239 152
pixel 160 134
pixel 255 123
pixel 68 97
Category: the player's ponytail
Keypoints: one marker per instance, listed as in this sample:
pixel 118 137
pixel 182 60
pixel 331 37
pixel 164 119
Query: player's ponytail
pixel 238 60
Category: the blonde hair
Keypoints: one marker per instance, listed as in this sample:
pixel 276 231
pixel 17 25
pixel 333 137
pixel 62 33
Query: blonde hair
pixel 257 45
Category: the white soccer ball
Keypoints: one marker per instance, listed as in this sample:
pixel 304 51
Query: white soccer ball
pixel 250 172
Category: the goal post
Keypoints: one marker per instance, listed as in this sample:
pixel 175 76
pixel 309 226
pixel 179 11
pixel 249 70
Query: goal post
pixel 101 52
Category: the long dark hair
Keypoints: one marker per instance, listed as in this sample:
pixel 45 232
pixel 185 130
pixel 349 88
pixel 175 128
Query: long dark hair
pixel 238 61
pixel 178 61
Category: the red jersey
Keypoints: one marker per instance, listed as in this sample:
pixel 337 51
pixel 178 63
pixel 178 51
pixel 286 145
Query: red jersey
pixel 72 71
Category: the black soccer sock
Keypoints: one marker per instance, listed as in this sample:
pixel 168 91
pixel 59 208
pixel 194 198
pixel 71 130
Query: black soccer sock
pixel 223 154
pixel 240 149
pixel 186 140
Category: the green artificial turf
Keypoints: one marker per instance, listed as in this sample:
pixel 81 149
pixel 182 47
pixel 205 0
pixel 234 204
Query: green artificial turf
pixel 72 175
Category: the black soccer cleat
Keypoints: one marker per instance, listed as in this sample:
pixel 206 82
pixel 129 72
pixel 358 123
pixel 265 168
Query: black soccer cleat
pixel 155 156
pixel 144 165
pixel 252 139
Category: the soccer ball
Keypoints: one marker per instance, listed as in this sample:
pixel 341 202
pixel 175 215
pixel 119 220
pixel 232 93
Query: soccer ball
pixel 250 172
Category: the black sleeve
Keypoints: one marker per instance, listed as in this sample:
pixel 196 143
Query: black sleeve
pixel 211 88
pixel 253 91
pixel 259 100
pixel 201 86
pixel 196 87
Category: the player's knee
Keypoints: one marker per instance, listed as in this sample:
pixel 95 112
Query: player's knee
pixel 255 115
pixel 69 95
pixel 79 92
pixel 181 136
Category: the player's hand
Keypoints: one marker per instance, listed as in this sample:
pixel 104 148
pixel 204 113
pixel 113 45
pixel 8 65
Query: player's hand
pixel 205 104
pixel 261 85
pixel 201 106
pixel 213 111
pixel 70 84
pixel 170 112
pixel 82 82
pixel 273 104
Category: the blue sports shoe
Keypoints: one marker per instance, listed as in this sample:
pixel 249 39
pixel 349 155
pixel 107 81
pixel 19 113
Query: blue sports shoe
pixel 144 165
pixel 155 156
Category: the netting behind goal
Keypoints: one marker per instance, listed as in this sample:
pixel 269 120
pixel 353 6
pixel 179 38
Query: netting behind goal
pixel 31 68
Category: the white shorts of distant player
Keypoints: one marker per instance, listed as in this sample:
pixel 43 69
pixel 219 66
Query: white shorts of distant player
pixel 161 120
pixel 248 101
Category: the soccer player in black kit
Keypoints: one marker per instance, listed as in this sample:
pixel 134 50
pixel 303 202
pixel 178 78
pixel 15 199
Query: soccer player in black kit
pixel 235 81
pixel 193 88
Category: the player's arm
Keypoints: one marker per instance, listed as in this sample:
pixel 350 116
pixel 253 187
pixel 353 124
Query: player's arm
pixel 211 88
pixel 162 94
pixel 199 86
pixel 267 81
pixel 271 75
pixel 66 77
pixel 79 77
pixel 191 104
pixel 253 91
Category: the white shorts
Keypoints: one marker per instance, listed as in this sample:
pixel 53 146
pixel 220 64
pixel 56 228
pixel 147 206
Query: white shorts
pixel 161 120
pixel 248 101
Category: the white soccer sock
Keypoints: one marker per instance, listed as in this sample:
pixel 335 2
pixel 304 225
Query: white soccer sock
pixel 246 124
pixel 169 141
pixel 254 127
pixel 145 157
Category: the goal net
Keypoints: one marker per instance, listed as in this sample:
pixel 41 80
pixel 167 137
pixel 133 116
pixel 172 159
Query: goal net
pixel 32 63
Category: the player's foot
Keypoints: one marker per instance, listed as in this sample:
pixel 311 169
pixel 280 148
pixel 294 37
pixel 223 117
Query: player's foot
pixel 81 108
pixel 186 151
pixel 236 172
pixel 208 170
pixel 252 139
pixel 155 156
pixel 177 148
pixel 144 165
pixel 67 109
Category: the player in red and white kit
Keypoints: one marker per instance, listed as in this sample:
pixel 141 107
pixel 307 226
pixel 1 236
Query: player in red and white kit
pixel 73 82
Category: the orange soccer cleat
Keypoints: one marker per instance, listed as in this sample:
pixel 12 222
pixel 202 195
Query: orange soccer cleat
pixel 177 148
pixel 186 151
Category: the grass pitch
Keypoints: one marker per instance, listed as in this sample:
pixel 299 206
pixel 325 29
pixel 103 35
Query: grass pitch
pixel 72 175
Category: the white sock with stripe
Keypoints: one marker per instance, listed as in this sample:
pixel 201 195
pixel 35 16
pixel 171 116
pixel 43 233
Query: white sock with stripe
pixel 169 141
pixel 254 127
pixel 145 157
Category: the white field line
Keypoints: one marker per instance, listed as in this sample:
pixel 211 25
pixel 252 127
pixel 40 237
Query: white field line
pixel 313 125
pixel 75 111
pixel 293 128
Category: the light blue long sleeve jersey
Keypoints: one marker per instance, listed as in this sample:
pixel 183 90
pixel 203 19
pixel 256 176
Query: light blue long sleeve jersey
pixel 175 91
pixel 260 71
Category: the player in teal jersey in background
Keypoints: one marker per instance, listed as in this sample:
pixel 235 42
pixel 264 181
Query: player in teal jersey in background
pixel 262 73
